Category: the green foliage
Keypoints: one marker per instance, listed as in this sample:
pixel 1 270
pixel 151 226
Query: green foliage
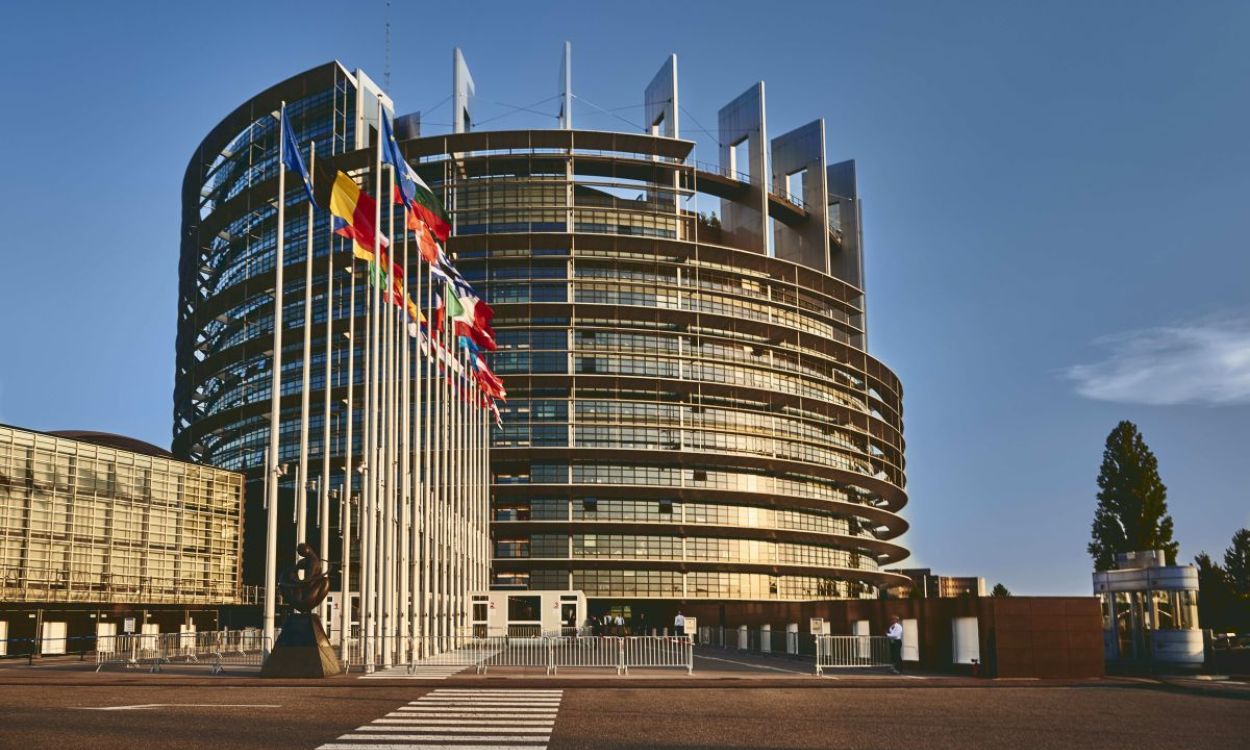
pixel 1216 602
pixel 1237 562
pixel 1132 511
pixel 1000 591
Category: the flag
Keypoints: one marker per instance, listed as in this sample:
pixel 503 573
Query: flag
pixel 398 295
pixel 292 159
pixel 464 312
pixel 451 304
pixel 440 314
pixel 488 381
pixel 412 191
pixel 430 251
pixel 353 211
pixel 474 320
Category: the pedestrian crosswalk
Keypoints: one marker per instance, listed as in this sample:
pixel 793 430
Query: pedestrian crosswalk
pixel 462 719
pixel 418 671
pixel 436 667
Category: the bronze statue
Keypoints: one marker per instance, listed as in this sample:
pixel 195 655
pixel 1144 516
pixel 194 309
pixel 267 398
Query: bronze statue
pixel 306 593
pixel 302 649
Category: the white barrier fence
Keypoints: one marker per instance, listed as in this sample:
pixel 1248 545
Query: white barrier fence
pixel 226 649
pixel 549 653
pixel 218 648
pixel 841 651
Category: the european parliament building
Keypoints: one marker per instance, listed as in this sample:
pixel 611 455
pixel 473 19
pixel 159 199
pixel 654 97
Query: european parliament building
pixel 693 413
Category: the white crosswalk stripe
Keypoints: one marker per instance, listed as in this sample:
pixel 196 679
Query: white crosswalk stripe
pixel 436 667
pixel 419 672
pixel 461 719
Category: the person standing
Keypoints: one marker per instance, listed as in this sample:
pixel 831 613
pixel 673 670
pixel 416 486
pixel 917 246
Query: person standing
pixel 895 634
pixel 679 623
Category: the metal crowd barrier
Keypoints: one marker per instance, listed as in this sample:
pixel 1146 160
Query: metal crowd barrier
pixel 594 651
pixel 781 641
pixel 511 651
pixel 218 648
pixel 131 650
pixel 833 651
pixel 549 653
pixel 658 651
pixel 226 649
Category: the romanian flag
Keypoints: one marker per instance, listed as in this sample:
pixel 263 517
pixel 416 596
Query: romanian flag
pixel 353 211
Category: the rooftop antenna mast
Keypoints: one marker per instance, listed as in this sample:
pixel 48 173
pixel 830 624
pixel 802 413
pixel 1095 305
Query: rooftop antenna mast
pixel 566 87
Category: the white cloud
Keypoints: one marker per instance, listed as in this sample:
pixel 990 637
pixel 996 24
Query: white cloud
pixel 1206 362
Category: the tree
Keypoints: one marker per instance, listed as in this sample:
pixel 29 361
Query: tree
pixel 1000 591
pixel 1215 595
pixel 1132 511
pixel 1237 562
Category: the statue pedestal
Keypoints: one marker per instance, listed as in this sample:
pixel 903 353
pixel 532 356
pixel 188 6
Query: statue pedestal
pixel 302 650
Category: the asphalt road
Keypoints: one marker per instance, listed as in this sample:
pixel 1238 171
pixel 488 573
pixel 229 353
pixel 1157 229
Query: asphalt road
pixel 36 715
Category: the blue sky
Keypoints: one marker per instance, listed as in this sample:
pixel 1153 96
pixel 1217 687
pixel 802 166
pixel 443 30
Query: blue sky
pixel 1053 198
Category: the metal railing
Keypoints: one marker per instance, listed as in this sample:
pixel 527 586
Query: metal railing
pixel 778 641
pixel 226 649
pixel 828 651
pixel 547 652
pixel 658 651
pixel 841 651
pixel 218 648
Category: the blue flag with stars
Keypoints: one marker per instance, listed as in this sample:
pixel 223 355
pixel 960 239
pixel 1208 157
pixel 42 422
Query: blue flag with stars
pixel 292 159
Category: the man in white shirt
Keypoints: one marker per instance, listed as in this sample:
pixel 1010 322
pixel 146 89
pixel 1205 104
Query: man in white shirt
pixel 679 624
pixel 895 634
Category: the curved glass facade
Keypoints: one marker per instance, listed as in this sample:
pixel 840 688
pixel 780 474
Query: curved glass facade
pixel 689 417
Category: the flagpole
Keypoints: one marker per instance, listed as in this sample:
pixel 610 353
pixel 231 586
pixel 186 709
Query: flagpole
pixel 484 478
pixel 461 493
pixel 323 486
pixel 389 515
pixel 449 485
pixel 459 496
pixel 438 516
pixel 368 375
pixel 427 492
pixel 377 469
pixel 465 494
pixel 418 496
pixel 405 465
pixel 345 499
pixel 301 475
pixel 275 397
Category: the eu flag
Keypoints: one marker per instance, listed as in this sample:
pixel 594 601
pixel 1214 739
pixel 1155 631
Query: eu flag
pixel 405 176
pixel 292 159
